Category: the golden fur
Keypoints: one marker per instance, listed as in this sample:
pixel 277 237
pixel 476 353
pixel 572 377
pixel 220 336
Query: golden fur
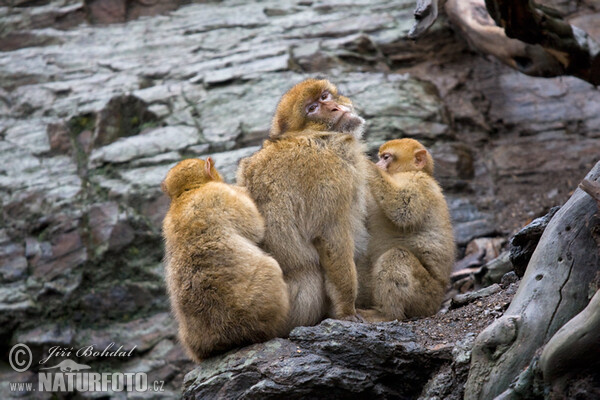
pixel 411 250
pixel 310 186
pixel 224 290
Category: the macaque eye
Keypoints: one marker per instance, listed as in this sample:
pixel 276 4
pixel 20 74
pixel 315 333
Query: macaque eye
pixel 311 108
pixel 326 96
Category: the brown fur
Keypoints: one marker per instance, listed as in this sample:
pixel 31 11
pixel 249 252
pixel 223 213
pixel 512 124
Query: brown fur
pixel 310 186
pixel 411 250
pixel 224 290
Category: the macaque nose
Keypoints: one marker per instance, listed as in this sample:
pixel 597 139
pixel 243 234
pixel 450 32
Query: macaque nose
pixel 381 164
pixel 334 107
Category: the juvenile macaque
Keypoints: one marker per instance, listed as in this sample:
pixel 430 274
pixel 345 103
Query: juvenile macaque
pixel 224 290
pixel 411 250
pixel 309 183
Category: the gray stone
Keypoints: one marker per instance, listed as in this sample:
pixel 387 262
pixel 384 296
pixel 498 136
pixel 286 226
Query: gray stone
pixel 140 334
pixel 13 269
pixel 81 225
pixel 524 242
pixel 47 335
pixel 468 221
pixel 170 157
pixel 318 361
pixel 146 177
pixel 154 142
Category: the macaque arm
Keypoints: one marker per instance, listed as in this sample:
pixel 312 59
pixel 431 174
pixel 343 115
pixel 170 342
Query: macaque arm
pixel 403 198
pixel 336 255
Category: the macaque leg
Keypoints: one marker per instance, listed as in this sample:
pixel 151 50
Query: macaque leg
pixel 336 255
pixel 402 288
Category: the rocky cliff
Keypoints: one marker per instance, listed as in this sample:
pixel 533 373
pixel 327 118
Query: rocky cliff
pixel 99 99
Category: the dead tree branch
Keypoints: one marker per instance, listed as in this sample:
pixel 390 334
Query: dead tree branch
pixel 553 290
pixel 577 52
pixel 528 37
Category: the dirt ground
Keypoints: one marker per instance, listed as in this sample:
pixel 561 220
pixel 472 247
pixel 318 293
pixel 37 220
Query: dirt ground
pixel 453 325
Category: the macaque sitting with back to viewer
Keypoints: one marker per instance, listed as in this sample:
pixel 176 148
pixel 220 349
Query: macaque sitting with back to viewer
pixel 309 182
pixel 411 250
pixel 224 290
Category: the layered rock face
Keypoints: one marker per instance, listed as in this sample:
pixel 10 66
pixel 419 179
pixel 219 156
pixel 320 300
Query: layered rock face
pixel 94 111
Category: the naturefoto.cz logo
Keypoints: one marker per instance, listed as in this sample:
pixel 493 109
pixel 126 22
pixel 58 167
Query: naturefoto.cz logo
pixel 70 376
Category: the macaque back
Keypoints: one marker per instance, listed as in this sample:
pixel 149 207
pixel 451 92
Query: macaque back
pixel 224 290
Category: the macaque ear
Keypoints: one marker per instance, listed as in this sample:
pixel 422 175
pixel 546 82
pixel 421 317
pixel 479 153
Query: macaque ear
pixel 420 158
pixel 163 187
pixel 209 166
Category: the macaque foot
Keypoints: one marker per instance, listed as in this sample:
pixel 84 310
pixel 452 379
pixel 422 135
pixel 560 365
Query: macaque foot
pixel 372 315
pixel 353 318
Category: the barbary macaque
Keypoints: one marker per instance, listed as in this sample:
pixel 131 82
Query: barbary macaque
pixel 411 248
pixel 224 290
pixel 309 183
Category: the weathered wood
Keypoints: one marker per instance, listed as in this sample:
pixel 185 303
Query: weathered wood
pixel 530 38
pixel 479 29
pixel 591 188
pixel 574 347
pixel 578 53
pixel 461 299
pixel 552 291
pixel 426 13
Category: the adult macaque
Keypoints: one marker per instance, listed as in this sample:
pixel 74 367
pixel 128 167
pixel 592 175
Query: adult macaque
pixel 224 290
pixel 309 183
pixel 411 249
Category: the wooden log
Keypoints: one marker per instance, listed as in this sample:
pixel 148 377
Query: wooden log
pixel 534 24
pixel 474 23
pixel 552 291
pixel 426 13
pixel 575 347
pixel 531 38
pixel 591 188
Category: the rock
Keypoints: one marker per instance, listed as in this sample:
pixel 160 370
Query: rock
pixel 443 384
pixel 107 230
pixel 120 301
pixel 101 220
pixel 454 165
pixel 508 278
pixel 469 262
pixel 123 116
pixel 151 143
pixel 67 252
pixel 493 271
pixel 13 269
pixel 462 299
pixel 353 360
pixel 332 359
pixel 13 264
pixel 139 335
pixel 19 40
pixel 55 334
pixel 58 136
pixel 92 117
pixel 524 242
pixel 468 221
pixel 106 11
pixel 398 108
pixel 489 248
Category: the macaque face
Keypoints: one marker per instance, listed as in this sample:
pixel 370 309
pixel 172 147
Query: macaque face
pixel 315 105
pixel 393 161
pixel 404 155
pixel 333 110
